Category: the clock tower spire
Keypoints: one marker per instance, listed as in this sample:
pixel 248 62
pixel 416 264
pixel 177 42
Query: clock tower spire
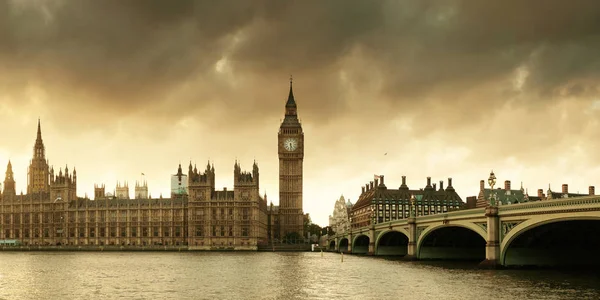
pixel 290 105
pixel 291 157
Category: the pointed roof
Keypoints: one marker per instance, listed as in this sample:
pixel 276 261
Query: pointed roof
pixel 39 130
pixel 290 101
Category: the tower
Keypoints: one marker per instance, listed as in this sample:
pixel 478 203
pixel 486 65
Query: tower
pixel 291 155
pixel 38 175
pixel 63 187
pixel 141 190
pixel 179 183
pixel 122 191
pixel 9 183
pixel 99 191
pixel 245 184
pixel 201 186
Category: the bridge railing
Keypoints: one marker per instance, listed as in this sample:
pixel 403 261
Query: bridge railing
pixel 453 214
pixel 575 201
pixel 467 213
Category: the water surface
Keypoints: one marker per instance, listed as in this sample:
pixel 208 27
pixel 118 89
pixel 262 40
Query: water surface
pixel 235 275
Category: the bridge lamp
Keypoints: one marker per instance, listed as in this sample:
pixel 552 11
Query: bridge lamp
pixel 412 205
pixel 492 180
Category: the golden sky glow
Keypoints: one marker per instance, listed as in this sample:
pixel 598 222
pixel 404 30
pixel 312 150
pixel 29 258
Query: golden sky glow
pixel 446 89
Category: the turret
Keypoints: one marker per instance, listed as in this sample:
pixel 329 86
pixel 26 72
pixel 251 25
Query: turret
pixel 63 186
pixel 201 185
pixel 99 191
pixel 9 191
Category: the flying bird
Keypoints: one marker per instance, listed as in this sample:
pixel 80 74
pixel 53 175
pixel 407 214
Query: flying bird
pixel 385 153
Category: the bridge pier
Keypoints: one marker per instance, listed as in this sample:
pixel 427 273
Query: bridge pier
pixel 371 250
pixel 350 242
pixel 412 239
pixel 492 247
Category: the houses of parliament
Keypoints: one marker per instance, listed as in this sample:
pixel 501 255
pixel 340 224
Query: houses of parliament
pixel 196 215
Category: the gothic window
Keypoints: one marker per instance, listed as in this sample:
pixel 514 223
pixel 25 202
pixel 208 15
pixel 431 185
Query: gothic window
pixel 166 232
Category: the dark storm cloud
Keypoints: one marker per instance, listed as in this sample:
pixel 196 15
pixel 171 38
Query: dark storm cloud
pixel 124 54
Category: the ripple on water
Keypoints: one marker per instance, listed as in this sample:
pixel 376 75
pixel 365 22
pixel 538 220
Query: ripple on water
pixel 232 275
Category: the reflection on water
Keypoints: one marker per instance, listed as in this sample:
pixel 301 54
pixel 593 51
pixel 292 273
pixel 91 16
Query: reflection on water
pixel 209 275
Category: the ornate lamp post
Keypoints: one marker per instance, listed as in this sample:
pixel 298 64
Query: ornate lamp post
pixel 412 206
pixel 492 182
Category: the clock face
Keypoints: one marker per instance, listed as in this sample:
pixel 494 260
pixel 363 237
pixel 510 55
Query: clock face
pixel 290 144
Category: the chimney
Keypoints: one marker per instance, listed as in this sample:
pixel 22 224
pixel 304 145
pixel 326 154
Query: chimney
pixel 376 184
pixel 428 181
pixel 363 189
pixel 381 177
pixel 592 190
pixel 441 185
pixel 434 186
pixel 482 185
pixel 507 185
pixel 403 180
pixel 367 187
pixel 541 193
pixel 371 185
pixel 449 182
pixel 565 188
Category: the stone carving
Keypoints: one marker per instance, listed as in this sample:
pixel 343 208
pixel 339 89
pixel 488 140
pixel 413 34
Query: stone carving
pixel 419 230
pixel 483 225
pixel 508 226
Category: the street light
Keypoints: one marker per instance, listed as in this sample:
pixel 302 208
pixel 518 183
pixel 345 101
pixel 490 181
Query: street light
pixel 492 182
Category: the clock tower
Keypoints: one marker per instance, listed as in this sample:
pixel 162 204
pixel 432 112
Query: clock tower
pixel 291 154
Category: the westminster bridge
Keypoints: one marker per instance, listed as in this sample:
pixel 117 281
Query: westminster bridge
pixel 541 233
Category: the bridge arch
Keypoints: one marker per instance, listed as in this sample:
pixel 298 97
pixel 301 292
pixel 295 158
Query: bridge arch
pixel 343 246
pixel 332 245
pixel 360 244
pixel 392 242
pixel 569 255
pixel 457 240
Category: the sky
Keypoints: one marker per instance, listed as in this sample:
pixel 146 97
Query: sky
pixel 445 88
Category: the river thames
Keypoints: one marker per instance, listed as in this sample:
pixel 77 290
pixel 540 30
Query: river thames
pixel 266 275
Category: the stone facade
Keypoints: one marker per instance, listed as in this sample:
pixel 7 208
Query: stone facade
pixel 226 219
pixel 206 219
pixel 378 204
pixel 340 220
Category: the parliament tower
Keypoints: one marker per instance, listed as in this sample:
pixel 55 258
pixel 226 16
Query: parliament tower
pixel 291 156
pixel 38 175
